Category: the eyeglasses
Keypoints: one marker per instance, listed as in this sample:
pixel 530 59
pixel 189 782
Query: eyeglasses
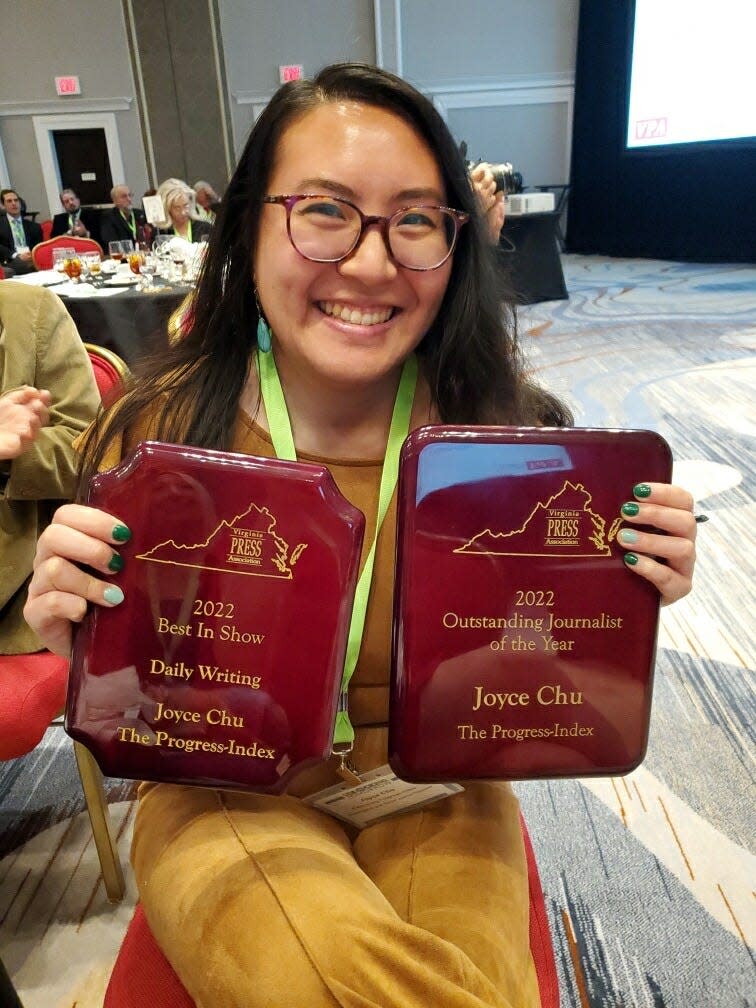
pixel 328 229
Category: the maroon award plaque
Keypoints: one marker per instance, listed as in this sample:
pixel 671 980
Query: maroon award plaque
pixel 222 666
pixel 523 647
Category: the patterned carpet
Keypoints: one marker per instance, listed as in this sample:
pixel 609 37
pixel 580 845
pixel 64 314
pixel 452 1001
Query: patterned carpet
pixel 649 879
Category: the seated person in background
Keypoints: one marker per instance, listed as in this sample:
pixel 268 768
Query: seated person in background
pixel 206 200
pixel 178 200
pixel 123 222
pixel 18 236
pixel 78 221
pixel 47 397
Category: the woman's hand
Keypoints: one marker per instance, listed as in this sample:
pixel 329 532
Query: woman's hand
pixel 665 558
pixel 60 589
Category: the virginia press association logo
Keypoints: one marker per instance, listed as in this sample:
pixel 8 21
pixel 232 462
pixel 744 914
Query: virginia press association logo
pixel 248 543
pixel 563 525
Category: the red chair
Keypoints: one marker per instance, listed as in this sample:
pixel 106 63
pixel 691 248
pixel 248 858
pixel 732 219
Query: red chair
pixel 32 693
pixel 541 948
pixel 42 253
pixel 143 976
pixel 111 372
pixel 33 689
pixel 47 226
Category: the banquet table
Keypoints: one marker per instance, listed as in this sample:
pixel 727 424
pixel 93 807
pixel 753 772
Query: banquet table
pixel 121 319
pixel 129 322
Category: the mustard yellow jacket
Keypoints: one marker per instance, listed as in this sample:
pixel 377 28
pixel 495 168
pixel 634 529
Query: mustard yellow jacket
pixel 39 346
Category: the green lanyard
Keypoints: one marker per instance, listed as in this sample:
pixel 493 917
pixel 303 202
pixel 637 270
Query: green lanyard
pixel 130 222
pixel 188 231
pixel 283 444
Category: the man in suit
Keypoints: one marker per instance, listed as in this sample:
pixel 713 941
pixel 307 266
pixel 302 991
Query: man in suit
pixel 76 220
pixel 18 236
pixel 123 222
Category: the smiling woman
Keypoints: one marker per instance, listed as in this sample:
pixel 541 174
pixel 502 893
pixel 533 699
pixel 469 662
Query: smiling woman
pixel 347 325
pixel 349 262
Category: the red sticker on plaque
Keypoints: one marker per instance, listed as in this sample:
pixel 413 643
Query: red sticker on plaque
pixel 523 647
pixel 223 665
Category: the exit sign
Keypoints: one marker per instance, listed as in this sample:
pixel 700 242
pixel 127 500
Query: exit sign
pixel 290 73
pixel 67 85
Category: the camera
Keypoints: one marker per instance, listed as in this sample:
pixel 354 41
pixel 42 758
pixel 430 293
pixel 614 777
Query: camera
pixel 506 178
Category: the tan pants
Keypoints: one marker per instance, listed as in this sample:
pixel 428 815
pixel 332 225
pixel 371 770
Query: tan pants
pixel 263 901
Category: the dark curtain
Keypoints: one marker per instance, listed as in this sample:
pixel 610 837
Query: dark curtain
pixel 691 205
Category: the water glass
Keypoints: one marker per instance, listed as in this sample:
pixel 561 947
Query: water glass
pixel 59 256
pixel 161 248
pixel 148 271
pixel 120 250
pixel 91 263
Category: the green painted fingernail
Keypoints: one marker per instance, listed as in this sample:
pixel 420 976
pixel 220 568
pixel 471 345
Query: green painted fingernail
pixel 630 509
pixel 121 533
pixel 631 559
pixel 113 595
pixel 628 536
pixel 641 490
pixel 116 563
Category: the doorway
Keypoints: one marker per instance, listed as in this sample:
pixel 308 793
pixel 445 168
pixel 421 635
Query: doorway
pixel 83 163
pixel 80 124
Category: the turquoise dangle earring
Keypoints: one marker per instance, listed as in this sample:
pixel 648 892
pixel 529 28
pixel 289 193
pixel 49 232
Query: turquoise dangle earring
pixel 264 335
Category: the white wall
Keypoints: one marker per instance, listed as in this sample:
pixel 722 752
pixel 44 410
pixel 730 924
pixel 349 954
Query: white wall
pixel 259 36
pixel 500 71
pixel 51 38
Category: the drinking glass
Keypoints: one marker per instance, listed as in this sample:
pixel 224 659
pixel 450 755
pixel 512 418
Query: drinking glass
pixel 135 261
pixel 161 247
pixel 72 268
pixel 92 262
pixel 149 268
pixel 59 256
pixel 178 258
pixel 116 250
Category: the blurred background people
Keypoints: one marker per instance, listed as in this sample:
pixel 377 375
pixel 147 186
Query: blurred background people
pixel 75 220
pixel 207 201
pixel 180 217
pixel 124 222
pixel 18 236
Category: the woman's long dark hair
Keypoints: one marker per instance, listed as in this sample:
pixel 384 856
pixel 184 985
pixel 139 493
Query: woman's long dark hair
pixel 470 355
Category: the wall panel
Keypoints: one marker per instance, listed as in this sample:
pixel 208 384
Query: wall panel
pixel 52 38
